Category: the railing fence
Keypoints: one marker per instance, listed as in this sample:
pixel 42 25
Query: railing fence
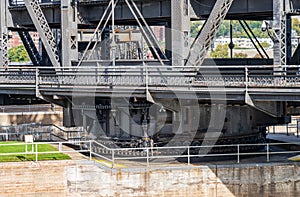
pixel 148 154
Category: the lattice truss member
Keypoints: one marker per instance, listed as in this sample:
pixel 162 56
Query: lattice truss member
pixel 206 36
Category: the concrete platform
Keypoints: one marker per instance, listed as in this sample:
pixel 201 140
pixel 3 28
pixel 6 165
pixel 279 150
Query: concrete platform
pixel 283 138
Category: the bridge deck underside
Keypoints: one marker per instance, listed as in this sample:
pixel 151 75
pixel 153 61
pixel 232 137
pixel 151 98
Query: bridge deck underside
pixel 156 12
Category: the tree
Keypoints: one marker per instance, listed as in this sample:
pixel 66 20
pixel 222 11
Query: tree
pixel 221 51
pixel 238 31
pixel 195 28
pixel 224 29
pixel 240 55
pixel 18 54
pixel 296 25
pixel 265 45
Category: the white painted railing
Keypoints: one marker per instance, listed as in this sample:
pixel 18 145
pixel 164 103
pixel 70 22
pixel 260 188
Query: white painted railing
pixel 146 154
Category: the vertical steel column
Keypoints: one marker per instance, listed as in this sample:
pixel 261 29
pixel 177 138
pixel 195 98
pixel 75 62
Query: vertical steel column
pixel 113 43
pixel 69 32
pixel 168 44
pixel 3 34
pixel 231 44
pixel 180 31
pixel 279 27
pixel 288 39
pixel 298 128
pixel 68 117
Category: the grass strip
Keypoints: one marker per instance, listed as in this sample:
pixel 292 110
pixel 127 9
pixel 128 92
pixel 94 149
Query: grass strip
pixel 19 147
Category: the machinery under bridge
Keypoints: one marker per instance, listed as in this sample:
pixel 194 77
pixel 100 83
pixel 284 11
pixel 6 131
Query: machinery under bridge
pixel 102 61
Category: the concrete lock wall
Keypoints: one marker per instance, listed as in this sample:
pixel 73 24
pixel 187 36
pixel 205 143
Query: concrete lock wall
pixel 85 179
pixel 31 117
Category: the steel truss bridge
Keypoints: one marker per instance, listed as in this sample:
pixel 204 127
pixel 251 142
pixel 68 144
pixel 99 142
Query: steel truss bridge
pixel 100 48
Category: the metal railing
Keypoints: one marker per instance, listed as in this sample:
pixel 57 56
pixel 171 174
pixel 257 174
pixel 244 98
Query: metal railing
pixel 147 154
pixel 294 125
pixel 157 77
pixel 21 2
pixel 30 108
pixel 33 149
pixel 187 152
pixel 40 132
pixel 154 77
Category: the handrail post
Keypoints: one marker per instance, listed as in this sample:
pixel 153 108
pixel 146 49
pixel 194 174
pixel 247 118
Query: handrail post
pixel 189 158
pixel 36 152
pixel 90 149
pixel 238 153
pixel 147 157
pixel 113 158
pixel 6 135
pixel 246 79
pixel 297 128
pixel 37 83
pixel 268 155
pixel 59 146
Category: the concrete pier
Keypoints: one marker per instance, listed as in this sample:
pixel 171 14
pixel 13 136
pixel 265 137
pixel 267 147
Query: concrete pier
pixel 83 178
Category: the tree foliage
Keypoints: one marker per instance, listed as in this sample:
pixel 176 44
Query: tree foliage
pixel 195 28
pixel 265 44
pixel 238 31
pixel 221 51
pixel 296 25
pixel 18 54
pixel 240 55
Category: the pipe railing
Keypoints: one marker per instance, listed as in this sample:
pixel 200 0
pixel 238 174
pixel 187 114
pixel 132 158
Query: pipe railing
pixel 32 149
pixel 152 76
pixel 149 153
pixel 38 130
pixel 29 108
pixel 187 150
pixel 21 2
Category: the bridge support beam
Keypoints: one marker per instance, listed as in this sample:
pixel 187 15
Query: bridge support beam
pixel 272 108
pixel 39 20
pixel 180 31
pixel 3 33
pixel 68 118
pixel 69 32
pixel 296 56
pixel 30 48
pixel 205 37
pixel 281 27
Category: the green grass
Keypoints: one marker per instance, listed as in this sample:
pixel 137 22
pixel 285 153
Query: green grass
pixel 14 147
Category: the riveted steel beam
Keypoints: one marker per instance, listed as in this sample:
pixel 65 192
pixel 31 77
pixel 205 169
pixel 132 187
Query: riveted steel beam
pixel 207 34
pixel 3 33
pixel 69 32
pixel 38 18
